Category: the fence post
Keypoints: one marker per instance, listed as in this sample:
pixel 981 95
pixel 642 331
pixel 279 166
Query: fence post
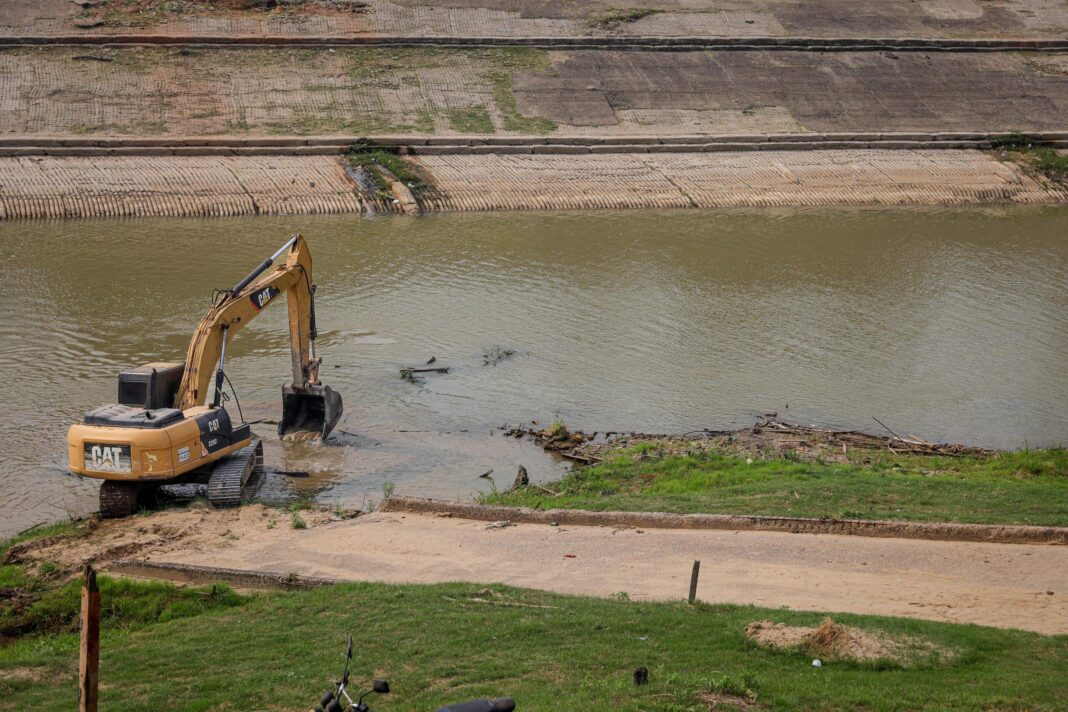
pixel 693 581
pixel 89 662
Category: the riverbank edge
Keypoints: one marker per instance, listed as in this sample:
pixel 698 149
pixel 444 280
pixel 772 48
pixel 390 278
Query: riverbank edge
pixel 211 181
pixel 935 531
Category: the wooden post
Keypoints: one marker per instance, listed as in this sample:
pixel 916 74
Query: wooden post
pixel 693 581
pixel 89 665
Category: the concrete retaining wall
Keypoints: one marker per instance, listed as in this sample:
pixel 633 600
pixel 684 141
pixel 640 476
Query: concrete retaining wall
pixel 813 44
pixel 998 534
pixel 504 145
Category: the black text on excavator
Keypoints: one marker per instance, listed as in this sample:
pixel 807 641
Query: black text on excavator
pixel 162 430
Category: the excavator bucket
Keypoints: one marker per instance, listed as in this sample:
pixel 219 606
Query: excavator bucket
pixel 309 412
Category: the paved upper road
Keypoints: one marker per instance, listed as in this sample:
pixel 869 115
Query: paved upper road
pixel 552 18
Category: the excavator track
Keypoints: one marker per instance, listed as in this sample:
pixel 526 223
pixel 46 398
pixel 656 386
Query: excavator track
pixel 118 499
pixel 232 473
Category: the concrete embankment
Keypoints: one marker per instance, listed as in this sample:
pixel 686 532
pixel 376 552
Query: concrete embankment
pixel 779 111
pixel 162 92
pixel 187 186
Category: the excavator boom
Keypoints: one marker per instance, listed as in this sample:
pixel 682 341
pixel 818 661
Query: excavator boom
pixel 307 405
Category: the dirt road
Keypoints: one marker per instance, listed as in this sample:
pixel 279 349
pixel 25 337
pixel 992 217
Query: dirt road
pixel 1004 585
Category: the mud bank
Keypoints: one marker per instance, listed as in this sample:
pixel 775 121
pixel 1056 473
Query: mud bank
pixel 189 186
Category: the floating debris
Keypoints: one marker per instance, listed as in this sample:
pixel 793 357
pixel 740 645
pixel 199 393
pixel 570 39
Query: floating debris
pixel 496 355
pixel 408 373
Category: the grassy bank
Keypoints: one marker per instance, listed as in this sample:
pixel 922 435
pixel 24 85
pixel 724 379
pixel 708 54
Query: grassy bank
pixel 445 643
pixel 1027 487
pixel 44 599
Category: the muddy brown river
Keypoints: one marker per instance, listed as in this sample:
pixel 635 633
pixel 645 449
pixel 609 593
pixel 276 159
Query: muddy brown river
pixel 945 324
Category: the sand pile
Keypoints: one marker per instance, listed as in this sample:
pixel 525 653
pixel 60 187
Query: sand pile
pixel 832 641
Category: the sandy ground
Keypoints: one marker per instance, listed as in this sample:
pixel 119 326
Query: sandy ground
pixel 551 18
pixel 1001 585
pixel 1004 585
pixel 117 186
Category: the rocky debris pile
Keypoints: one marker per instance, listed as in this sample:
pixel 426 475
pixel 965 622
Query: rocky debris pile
pixel 770 438
pixel 555 438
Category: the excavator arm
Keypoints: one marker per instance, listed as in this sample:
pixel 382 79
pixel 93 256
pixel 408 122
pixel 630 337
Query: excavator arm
pixel 307 404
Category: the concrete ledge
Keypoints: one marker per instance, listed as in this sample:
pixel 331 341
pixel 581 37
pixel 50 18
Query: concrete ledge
pixel 811 44
pixel 204 575
pixel 465 145
pixel 996 534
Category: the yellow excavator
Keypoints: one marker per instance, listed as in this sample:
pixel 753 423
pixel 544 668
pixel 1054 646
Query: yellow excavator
pixel 162 431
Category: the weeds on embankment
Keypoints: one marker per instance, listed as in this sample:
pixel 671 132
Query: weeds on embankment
pixel 1024 487
pixel 613 18
pixel 1041 160
pixel 45 599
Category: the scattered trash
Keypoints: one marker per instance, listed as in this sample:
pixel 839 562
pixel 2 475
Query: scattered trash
pixel 643 637
pixel 500 525
pixel 570 556
pixel 556 438
pixel 91 58
pixel 486 474
pixel 816 663
pixel 408 373
pixel 431 360
pixel 521 478
pixel 291 473
pixel 641 676
pixel 496 355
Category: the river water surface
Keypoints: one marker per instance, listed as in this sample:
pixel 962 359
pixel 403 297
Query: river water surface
pixel 946 324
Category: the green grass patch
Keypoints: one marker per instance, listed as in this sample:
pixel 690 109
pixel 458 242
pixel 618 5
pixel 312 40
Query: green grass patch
pixel 371 160
pixel 1025 487
pixel 49 602
pixel 1038 159
pixel 614 17
pixel 510 61
pixel 445 643
pixel 474 120
pixel 46 600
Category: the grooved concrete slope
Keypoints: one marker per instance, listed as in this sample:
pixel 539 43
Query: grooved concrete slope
pixel 361 91
pixel 176 187
pixel 750 179
pixel 554 18
pixel 115 186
